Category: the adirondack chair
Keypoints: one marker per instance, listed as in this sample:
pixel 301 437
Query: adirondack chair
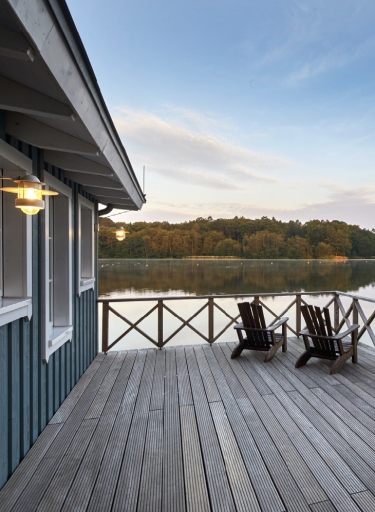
pixel 326 344
pixel 258 335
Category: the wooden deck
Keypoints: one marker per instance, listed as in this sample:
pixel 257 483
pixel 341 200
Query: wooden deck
pixel 190 429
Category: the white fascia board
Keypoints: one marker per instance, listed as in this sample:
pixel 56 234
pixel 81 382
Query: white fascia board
pixel 36 18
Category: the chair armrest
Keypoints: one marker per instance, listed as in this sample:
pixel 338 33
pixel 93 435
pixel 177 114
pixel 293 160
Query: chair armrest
pixel 336 337
pixel 341 335
pixel 277 324
pixel 261 329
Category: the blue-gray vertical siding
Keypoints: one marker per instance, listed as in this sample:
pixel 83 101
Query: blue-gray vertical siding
pixel 30 390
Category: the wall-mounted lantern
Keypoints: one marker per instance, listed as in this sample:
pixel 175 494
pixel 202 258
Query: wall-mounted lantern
pixel 29 193
pixel 121 234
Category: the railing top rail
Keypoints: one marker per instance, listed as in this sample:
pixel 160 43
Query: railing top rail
pixel 234 296
pixel 354 296
pixel 219 296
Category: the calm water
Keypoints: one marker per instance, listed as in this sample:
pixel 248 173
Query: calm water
pixel 119 278
pixel 152 278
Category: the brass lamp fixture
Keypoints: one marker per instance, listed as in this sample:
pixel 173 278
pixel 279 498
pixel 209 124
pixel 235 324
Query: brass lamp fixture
pixel 121 234
pixel 29 193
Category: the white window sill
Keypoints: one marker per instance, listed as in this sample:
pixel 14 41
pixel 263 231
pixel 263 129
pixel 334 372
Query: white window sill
pixel 86 283
pixel 58 337
pixel 14 309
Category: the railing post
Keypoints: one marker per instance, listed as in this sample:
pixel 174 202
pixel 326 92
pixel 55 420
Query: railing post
pixel 336 313
pixel 105 326
pixel 211 320
pixel 355 311
pixel 160 323
pixel 298 313
pixel 256 299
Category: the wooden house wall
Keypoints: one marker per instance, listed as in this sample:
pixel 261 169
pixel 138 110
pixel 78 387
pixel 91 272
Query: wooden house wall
pixel 30 390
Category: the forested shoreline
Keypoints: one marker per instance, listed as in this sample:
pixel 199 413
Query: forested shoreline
pixel 245 238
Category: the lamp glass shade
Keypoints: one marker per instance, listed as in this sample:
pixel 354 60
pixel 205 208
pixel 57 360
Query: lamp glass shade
pixel 120 234
pixel 29 197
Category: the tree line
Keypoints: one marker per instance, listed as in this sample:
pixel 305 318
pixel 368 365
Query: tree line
pixel 239 237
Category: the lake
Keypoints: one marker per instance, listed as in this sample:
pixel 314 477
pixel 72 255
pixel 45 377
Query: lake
pixel 155 278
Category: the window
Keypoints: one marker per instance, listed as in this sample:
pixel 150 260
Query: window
pixel 15 259
pixel 57 280
pixel 85 253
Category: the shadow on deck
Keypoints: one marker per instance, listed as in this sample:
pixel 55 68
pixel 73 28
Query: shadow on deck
pixel 190 429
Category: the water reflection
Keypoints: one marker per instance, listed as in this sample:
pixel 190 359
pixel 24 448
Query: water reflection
pixel 204 277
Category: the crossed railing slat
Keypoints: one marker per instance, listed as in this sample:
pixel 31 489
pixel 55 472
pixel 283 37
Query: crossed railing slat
pixel 340 315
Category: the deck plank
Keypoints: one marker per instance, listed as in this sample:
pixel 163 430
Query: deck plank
pixel 184 388
pixel 188 428
pixel 197 497
pixel 272 440
pixel 150 491
pixel 126 495
pixel 106 483
pixel 219 489
pixel 173 470
pixel 266 492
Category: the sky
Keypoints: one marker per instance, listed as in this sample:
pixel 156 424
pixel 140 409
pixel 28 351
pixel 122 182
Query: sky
pixel 238 107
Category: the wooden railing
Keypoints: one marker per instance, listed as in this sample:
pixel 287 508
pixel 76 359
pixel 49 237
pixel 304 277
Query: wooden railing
pixel 354 313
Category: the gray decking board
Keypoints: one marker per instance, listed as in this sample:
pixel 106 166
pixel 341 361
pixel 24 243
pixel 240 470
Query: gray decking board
pixel 353 450
pixel 126 495
pixel 173 470
pixel 220 493
pixel 188 428
pixel 184 388
pixel 55 495
pixel 261 480
pixel 323 506
pixel 157 397
pixel 150 491
pixel 365 500
pixel 106 483
pixel 287 468
pixel 197 497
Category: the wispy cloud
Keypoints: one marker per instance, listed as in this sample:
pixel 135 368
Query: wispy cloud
pixel 351 205
pixel 170 148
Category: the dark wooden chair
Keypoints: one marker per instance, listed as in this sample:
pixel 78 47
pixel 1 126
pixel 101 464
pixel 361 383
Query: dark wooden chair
pixel 258 335
pixel 326 344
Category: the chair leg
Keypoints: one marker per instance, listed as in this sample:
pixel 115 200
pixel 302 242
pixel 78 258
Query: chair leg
pixel 355 346
pixel 303 358
pixel 285 343
pixel 340 361
pixel 237 350
pixel 272 351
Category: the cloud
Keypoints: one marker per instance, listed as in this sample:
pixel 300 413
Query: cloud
pixel 351 205
pixel 170 148
pixel 338 57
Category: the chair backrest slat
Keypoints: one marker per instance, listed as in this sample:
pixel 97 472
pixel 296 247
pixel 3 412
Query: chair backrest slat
pixel 252 316
pixel 320 321
pixel 260 323
pixel 315 325
pixel 328 321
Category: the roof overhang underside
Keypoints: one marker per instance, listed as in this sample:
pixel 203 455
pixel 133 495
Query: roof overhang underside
pixel 52 100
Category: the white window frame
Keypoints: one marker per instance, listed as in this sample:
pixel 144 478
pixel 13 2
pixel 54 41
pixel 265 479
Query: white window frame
pixel 86 245
pixel 57 296
pixel 15 257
